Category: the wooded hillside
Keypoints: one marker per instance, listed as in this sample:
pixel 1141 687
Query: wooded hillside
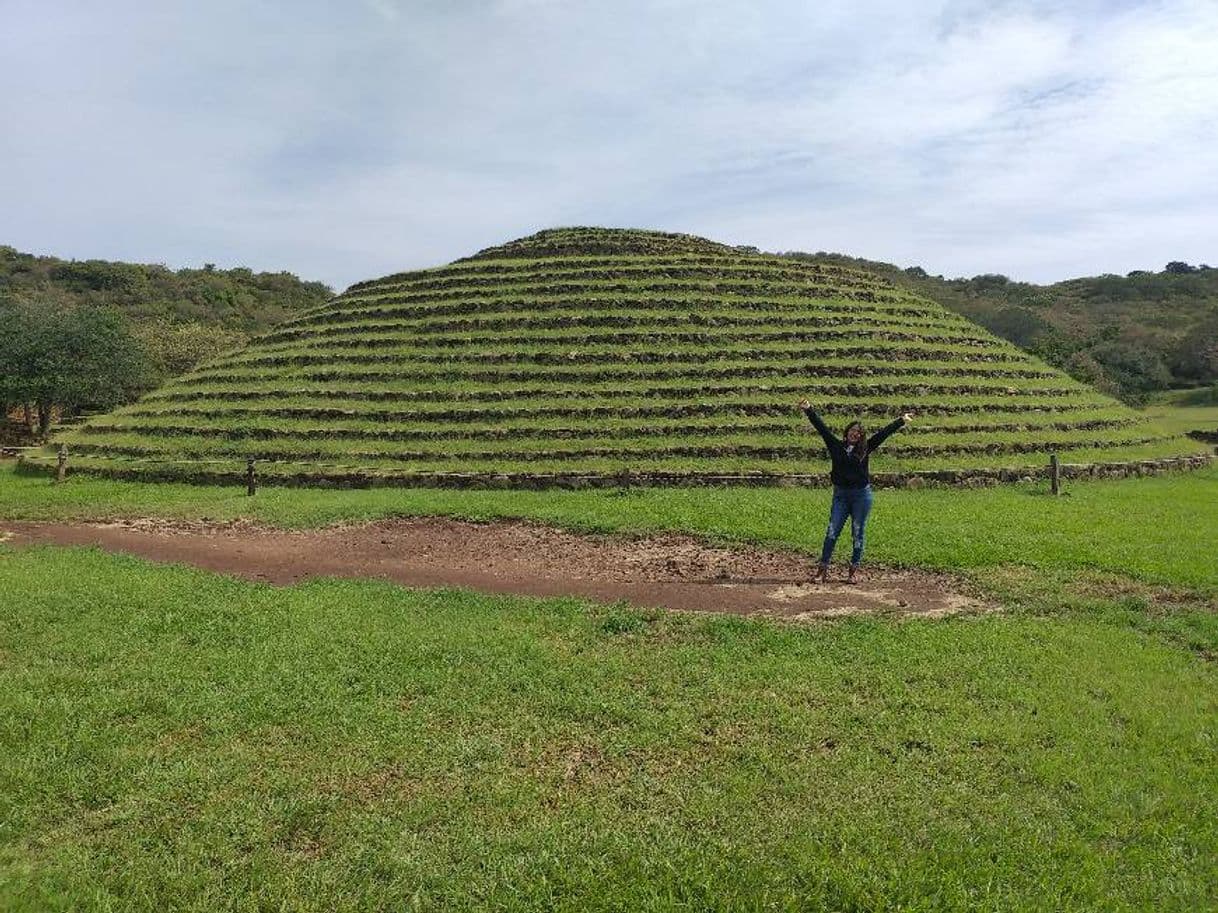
pixel 82 334
pixel 1128 335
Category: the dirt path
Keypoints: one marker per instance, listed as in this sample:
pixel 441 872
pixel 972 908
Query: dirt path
pixel 668 571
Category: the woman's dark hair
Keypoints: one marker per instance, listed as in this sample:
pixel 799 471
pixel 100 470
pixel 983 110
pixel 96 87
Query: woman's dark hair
pixel 860 449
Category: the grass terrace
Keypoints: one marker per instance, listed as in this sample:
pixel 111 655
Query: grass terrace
pixel 596 352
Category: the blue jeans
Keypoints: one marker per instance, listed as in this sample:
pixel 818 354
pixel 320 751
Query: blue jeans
pixel 847 502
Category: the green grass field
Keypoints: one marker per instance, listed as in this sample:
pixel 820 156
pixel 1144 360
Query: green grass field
pixel 177 740
pixel 174 740
pixel 171 739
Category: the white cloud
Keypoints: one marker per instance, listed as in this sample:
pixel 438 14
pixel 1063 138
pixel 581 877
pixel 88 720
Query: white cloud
pixel 341 142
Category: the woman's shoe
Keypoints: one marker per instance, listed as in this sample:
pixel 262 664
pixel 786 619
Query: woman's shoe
pixel 852 576
pixel 822 574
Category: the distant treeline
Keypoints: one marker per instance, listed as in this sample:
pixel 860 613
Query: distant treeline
pixel 236 299
pixel 85 334
pixel 1129 335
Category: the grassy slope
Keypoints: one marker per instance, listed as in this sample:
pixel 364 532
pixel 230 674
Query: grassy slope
pixel 1175 413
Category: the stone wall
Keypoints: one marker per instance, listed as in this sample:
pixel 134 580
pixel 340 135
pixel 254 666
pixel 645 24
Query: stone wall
pixel 968 478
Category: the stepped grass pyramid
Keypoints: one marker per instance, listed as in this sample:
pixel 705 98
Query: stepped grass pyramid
pixel 588 354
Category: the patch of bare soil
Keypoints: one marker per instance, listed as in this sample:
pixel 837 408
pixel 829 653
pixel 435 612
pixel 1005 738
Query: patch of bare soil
pixel 665 571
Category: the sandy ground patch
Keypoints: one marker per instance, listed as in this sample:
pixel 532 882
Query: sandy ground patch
pixel 666 571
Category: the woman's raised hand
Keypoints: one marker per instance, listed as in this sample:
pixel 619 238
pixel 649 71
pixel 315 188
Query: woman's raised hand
pixel 804 404
pixel 907 417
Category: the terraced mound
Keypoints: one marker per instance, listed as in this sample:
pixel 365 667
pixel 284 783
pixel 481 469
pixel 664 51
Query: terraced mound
pixel 595 355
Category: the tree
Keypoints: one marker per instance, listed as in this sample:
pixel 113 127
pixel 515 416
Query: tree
pixel 175 348
pixel 1179 266
pixel 1082 366
pixel 1019 325
pixel 1195 358
pixel 1135 368
pixel 988 282
pixel 70 358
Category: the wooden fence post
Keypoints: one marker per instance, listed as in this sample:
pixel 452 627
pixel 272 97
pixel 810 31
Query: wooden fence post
pixel 1055 474
pixel 251 480
pixel 61 463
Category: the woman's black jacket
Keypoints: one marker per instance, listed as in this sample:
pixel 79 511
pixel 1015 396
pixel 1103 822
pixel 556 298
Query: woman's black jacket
pixel 848 470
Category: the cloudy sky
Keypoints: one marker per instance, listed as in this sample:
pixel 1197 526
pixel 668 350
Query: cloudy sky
pixel 344 140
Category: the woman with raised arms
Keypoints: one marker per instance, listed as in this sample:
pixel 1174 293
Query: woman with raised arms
pixel 852 495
